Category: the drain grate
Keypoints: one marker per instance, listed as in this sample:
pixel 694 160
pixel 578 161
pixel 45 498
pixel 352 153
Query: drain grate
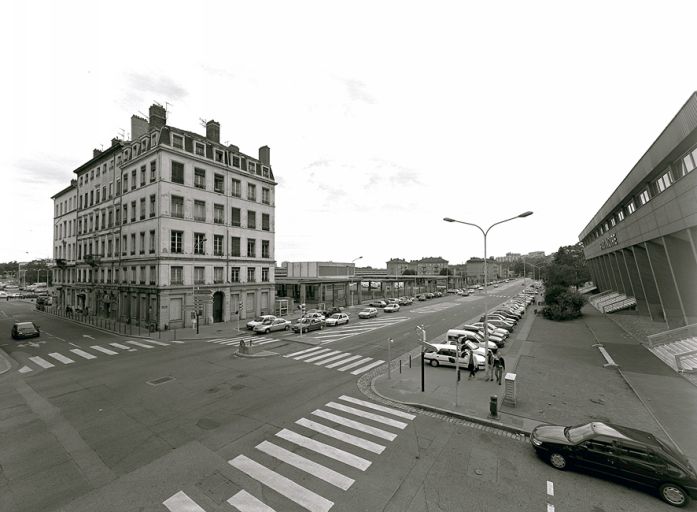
pixel 161 380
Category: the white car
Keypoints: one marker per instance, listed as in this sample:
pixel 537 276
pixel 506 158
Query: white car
pixel 493 330
pixel 259 320
pixel 391 308
pixel 444 355
pixel 368 313
pixel 277 324
pixel 337 319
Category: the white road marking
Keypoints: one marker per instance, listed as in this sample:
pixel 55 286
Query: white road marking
pixel 320 351
pixel 341 436
pixel 24 369
pixel 245 502
pixel 103 350
pixel 368 367
pixel 41 362
pixel 180 502
pixel 61 358
pixel 282 485
pixel 87 336
pixel 158 343
pixel 122 347
pixel 339 363
pixel 325 449
pixel 377 407
pixel 318 470
pixel 332 358
pixel 550 488
pixel 138 344
pixel 550 507
pixel 356 425
pixel 82 353
pixel 321 356
pixel 177 342
pixel 368 415
pixel 302 352
pixel 354 364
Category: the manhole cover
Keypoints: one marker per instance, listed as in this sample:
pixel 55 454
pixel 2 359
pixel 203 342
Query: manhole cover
pixel 161 380
pixel 207 424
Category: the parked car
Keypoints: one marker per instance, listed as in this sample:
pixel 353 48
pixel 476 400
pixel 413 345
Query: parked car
pixel 24 330
pixel 378 304
pixel 627 454
pixel 501 333
pixel 391 308
pixel 337 319
pixel 492 337
pixel 429 295
pixel 308 324
pixel 444 355
pixel 277 324
pixel 501 324
pixel 259 320
pixel 315 315
pixel 421 297
pixel 453 335
pixel 368 313
pixel 331 311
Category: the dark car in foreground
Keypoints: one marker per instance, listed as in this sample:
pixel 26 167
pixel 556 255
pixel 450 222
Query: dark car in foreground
pixel 308 324
pixel 24 330
pixel 620 453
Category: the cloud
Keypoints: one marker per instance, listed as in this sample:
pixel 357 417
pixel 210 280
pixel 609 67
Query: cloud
pixel 404 177
pixel 162 86
pixel 45 171
pixel 356 91
pixel 395 173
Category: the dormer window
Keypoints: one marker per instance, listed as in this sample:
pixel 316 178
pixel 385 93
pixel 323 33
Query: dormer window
pixel 177 141
pixel 199 148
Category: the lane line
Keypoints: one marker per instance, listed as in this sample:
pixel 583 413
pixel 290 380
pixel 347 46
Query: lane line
pixel 41 362
pixel 355 363
pixel 138 344
pixel 282 485
pixel 377 407
pixel 333 358
pixel 104 350
pixel 245 502
pixel 321 356
pixel 180 502
pixel 325 449
pixel 339 363
pixel 368 367
pixel 61 358
pixel 82 353
pixel 550 488
pixel 303 352
pixel 368 415
pixel 550 507
pixel 318 470
pixel 158 343
pixel 178 342
pixel 122 347
pixel 320 351
pixel 341 436
pixel 356 425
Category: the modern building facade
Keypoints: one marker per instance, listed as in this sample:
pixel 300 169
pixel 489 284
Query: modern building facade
pixel 168 223
pixel 643 241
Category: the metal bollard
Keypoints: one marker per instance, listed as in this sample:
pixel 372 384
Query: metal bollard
pixel 400 366
pixel 409 360
pixel 493 406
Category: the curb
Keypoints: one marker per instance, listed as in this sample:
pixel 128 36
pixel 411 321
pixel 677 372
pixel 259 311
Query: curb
pixel 255 356
pixel 6 362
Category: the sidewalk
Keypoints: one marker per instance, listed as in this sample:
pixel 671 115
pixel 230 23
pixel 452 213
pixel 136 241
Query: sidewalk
pixel 560 378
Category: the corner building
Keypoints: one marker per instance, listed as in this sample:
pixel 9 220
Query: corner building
pixel 168 222
pixel 643 242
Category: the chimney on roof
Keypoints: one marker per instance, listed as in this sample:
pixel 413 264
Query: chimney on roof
pixel 115 142
pixel 265 155
pixel 158 116
pixel 213 131
pixel 96 152
pixel 139 127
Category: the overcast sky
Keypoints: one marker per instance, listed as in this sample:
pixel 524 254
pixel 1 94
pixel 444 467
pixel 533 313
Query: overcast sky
pixel 382 117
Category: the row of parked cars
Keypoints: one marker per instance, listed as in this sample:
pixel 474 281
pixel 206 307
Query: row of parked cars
pixel 312 320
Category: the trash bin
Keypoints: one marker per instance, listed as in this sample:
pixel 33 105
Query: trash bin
pixel 493 406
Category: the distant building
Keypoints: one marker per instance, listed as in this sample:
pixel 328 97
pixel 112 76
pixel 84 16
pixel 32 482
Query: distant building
pixel 475 270
pixel 535 254
pixel 424 266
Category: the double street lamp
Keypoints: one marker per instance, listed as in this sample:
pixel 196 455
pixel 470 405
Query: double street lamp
pixel 486 293
pixel 353 261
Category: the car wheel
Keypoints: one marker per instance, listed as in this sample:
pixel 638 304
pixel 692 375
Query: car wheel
pixel 321 327
pixel 673 495
pixel 286 327
pixel 267 331
pixel 434 363
pixel 557 460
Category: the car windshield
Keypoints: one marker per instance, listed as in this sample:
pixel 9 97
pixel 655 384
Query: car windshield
pixel 267 321
pixel 259 319
pixel 336 315
pixel 579 433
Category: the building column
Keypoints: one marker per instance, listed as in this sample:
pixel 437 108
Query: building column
pixel 635 280
pixel 665 284
pixel 622 272
pixel 681 257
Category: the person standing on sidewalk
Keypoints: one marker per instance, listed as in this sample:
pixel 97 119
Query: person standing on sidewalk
pixel 489 375
pixel 471 364
pixel 499 367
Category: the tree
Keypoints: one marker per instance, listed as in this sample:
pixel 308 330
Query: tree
pixel 568 267
pixel 446 272
pixel 409 272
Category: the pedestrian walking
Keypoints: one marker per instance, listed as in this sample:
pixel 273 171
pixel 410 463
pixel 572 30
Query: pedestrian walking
pixel 471 365
pixel 499 367
pixel 489 375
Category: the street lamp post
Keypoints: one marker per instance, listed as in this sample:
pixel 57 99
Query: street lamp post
pixel 486 292
pixel 197 246
pixel 352 261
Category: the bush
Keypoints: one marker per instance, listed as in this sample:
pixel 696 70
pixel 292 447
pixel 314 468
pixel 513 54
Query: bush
pixel 565 304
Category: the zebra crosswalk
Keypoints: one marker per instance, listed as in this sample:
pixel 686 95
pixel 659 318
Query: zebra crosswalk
pixel 354 455
pixel 330 335
pixel 235 340
pixel 342 361
pixel 433 308
pixel 56 359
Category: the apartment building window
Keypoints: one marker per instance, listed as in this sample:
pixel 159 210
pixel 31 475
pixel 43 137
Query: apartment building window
pixel 103 220
pixel 200 178
pixel 111 217
pixel 108 276
pixel 199 243
pixel 176 242
pixel 142 242
pixel 200 211
pixel 251 248
pixel 219 214
pixel 620 216
pixel 251 167
pixel 110 247
pixel 644 197
pixel 79 202
pixel 118 187
pixel 251 219
pixel 199 275
pixel 91 197
pixel 177 207
pixel 96 200
pixel 266 196
pixel 102 253
pixel 235 246
pixel 176 275
pixel 116 246
pixel 153 274
pixel 133 179
pixel 235 217
pixel 199 148
pixel 613 222
pixel 177 141
pixel 142 208
pixel 133 211
pixel 125 245
pixel 664 182
pixel 142 175
pixel 153 171
pixel 142 274
pixel 234 274
pixel 133 243
pixel 236 188
pixel 218 155
pixel 265 249
pixel 217 275
pixel 152 241
pixel 152 205
pixel 265 222
pixel 218 245
pixel 265 275
pixel 236 162
pixel 118 216
pixel 178 172
pixel 125 182
pixel 631 208
pixel 251 192
pixel 134 275
pixel 251 275
pixel 219 183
